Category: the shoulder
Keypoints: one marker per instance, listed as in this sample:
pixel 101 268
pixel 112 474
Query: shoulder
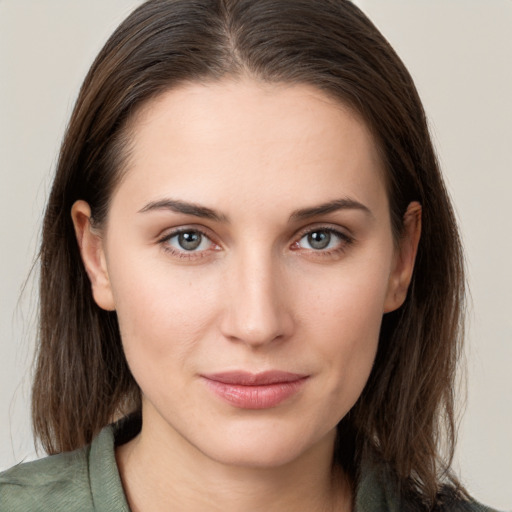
pixel 378 491
pixel 449 501
pixel 57 483
pixel 465 506
pixel 81 481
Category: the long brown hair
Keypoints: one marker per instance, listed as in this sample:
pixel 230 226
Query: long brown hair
pixel 82 381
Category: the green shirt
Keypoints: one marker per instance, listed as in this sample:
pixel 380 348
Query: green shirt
pixel 88 480
pixel 83 480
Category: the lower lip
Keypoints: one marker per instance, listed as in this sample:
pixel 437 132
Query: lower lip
pixel 263 396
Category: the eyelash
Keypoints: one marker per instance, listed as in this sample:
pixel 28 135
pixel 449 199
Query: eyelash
pixel 344 242
pixel 189 255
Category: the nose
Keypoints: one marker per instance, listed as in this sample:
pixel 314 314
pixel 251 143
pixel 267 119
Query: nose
pixel 257 308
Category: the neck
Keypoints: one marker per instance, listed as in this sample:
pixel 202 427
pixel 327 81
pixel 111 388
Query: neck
pixel 159 468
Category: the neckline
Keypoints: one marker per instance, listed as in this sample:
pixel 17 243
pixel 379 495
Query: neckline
pixel 104 478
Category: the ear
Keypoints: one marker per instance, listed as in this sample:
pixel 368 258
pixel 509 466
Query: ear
pixel 405 256
pixel 92 251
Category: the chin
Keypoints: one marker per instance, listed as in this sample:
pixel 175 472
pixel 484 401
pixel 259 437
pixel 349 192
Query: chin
pixel 271 455
pixel 266 448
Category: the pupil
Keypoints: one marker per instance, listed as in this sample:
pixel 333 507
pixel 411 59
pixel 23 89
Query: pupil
pixel 189 240
pixel 319 239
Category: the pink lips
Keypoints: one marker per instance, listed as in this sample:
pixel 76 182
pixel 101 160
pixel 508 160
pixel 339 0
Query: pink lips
pixel 255 391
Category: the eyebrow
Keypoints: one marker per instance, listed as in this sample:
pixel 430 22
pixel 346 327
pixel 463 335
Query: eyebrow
pixel 331 206
pixel 177 206
pixel 204 212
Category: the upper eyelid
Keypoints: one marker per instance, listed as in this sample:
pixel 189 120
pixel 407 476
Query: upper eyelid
pixel 169 233
pixel 344 240
pixel 338 230
pixel 192 255
pixel 164 242
pixel 342 232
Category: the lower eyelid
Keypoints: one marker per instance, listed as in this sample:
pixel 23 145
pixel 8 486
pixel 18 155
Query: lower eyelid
pixel 343 243
pixel 344 240
pixel 188 255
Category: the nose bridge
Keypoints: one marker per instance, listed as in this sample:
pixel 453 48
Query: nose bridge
pixel 256 310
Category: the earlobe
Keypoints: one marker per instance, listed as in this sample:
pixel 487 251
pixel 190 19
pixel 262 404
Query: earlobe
pixel 401 274
pixel 92 251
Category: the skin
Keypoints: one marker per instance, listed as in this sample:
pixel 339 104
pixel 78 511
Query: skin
pixel 255 295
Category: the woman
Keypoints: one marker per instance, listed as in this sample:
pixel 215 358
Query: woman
pixel 243 266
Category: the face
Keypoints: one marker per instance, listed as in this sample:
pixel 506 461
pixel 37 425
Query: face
pixel 249 256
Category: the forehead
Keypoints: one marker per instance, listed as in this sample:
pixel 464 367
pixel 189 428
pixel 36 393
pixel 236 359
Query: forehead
pixel 251 139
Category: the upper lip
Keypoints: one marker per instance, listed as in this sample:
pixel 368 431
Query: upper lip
pixel 244 378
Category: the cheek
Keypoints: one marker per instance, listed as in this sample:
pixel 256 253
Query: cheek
pixel 348 300
pixel 162 316
pixel 344 322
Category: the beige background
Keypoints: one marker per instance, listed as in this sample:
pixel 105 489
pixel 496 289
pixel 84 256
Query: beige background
pixel 460 54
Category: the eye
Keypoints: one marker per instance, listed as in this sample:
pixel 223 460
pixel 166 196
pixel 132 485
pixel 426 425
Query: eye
pixel 189 240
pixel 322 239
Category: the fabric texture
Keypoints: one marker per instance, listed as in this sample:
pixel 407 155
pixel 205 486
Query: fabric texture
pixel 87 480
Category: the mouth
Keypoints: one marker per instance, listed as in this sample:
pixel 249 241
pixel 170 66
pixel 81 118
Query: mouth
pixel 247 390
